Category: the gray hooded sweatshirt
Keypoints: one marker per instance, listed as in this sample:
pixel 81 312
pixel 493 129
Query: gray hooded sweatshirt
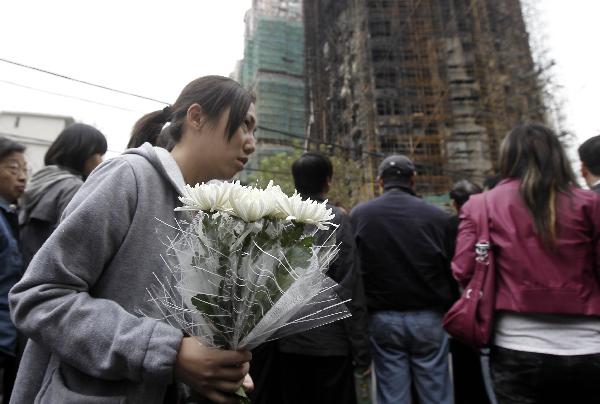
pixel 78 299
pixel 45 199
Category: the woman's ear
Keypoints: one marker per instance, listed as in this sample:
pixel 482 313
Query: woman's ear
pixel 195 116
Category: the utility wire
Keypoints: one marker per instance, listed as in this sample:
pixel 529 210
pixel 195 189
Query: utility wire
pixel 81 81
pixel 150 99
pixel 289 173
pixel 316 141
pixel 288 134
pixel 12 83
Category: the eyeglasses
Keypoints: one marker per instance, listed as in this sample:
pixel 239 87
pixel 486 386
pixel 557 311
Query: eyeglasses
pixel 15 168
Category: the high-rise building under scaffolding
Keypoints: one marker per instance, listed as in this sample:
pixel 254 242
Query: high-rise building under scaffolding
pixel 273 68
pixel 441 81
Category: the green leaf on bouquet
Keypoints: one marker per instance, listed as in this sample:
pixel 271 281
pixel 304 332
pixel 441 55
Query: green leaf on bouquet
pixel 241 396
pixel 211 307
pixel 291 234
pixel 283 277
pixel 205 304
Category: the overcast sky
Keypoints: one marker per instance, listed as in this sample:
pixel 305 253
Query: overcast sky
pixel 153 48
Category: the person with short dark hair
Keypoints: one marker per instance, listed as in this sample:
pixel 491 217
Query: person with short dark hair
pixel 318 365
pixel 13 178
pixel 72 156
pixel 79 300
pixel 461 191
pixel 589 154
pixel 467 375
pixel 403 247
pixel 459 194
pixel 313 173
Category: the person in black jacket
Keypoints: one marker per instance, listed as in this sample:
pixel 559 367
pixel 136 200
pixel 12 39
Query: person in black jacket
pixel 318 365
pixel 13 177
pixel 405 259
pixel 589 154
pixel 469 385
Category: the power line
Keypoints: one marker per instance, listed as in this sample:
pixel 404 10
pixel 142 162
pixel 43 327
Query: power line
pixel 286 173
pixel 287 134
pixel 416 158
pixel 320 142
pixel 151 99
pixel 12 83
pixel 81 81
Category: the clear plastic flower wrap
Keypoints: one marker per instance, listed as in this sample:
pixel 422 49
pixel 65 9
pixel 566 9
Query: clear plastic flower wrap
pixel 247 268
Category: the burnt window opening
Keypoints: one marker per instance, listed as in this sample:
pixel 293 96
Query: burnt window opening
pixel 377 4
pixel 387 106
pixel 385 78
pixel 379 29
pixel 382 55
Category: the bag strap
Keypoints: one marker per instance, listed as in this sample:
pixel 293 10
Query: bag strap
pixel 483 245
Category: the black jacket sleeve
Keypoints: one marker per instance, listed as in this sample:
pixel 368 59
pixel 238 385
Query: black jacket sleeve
pixel 345 270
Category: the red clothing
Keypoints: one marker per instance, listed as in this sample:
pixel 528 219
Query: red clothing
pixel 531 279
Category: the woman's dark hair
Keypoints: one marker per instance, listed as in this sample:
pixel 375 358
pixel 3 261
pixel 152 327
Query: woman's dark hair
pixel 74 145
pixel 462 190
pixel 491 181
pixel 534 154
pixel 8 146
pixel 311 172
pixel 213 93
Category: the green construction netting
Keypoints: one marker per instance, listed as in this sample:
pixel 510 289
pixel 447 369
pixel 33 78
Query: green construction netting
pixel 273 66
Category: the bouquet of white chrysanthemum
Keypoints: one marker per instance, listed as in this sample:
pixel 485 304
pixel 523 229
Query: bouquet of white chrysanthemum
pixel 246 268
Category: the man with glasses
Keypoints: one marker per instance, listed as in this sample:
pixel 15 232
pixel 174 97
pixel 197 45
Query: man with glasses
pixel 13 177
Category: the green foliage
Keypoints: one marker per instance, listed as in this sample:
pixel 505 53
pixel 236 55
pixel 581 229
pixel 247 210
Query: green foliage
pixel 276 167
pixel 347 176
pixel 347 182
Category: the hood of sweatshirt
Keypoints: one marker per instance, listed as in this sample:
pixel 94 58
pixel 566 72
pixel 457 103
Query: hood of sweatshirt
pixel 43 181
pixel 163 162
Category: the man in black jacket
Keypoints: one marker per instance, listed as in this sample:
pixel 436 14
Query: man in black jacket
pixel 318 365
pixel 589 154
pixel 405 260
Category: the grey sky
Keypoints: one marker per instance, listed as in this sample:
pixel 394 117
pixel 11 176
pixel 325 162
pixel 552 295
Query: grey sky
pixel 572 30
pixel 154 48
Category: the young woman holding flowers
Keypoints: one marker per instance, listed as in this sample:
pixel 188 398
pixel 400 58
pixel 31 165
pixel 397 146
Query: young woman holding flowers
pixel 545 237
pixel 78 299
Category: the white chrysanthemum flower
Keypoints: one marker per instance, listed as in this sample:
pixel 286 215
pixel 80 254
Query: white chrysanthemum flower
pixel 208 197
pixel 251 204
pixel 306 211
pixel 275 193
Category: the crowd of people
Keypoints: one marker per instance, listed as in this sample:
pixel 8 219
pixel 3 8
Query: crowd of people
pixel 78 249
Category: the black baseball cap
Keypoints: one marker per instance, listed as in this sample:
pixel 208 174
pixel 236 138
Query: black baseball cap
pixel 397 162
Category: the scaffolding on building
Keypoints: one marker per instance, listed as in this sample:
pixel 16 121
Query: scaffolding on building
pixel 441 81
pixel 273 68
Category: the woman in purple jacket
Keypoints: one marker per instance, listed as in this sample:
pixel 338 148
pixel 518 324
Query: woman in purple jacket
pixel 545 234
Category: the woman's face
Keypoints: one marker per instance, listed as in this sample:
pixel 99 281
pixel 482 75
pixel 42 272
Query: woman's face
pixel 224 157
pixel 13 176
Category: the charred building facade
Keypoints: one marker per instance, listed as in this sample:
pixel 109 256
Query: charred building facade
pixel 441 81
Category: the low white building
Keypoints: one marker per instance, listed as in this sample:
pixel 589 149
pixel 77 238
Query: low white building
pixel 35 131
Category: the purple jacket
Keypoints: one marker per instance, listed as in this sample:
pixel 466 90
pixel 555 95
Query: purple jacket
pixel 531 279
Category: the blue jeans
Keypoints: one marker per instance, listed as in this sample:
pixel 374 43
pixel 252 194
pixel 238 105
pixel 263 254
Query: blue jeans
pixel 410 347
